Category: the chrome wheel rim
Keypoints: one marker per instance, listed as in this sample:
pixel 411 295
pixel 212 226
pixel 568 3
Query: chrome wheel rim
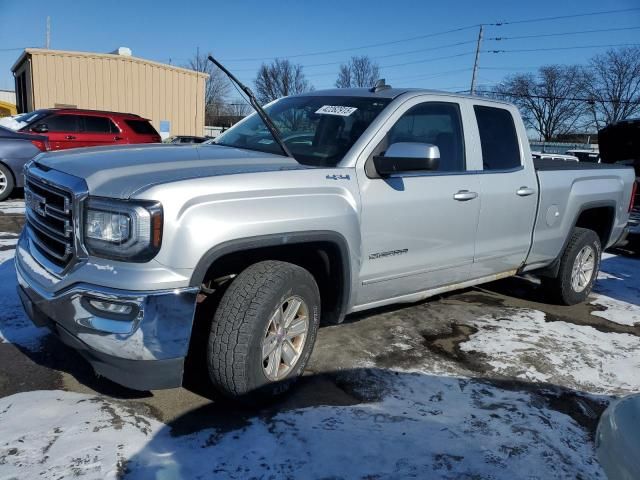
pixel 583 267
pixel 285 338
pixel 3 182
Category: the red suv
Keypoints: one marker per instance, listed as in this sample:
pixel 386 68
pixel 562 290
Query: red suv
pixel 72 128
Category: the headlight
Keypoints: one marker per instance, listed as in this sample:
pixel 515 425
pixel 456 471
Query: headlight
pixel 123 230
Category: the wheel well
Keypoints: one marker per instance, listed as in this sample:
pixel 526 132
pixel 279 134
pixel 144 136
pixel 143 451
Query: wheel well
pixel 324 260
pixel 598 219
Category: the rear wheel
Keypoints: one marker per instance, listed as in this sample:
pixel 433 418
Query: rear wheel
pixel 263 330
pixel 578 270
pixel 6 182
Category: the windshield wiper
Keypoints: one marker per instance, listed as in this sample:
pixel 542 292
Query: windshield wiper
pixel 275 133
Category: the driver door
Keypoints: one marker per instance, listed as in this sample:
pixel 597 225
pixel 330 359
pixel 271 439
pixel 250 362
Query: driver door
pixel 418 228
pixel 62 130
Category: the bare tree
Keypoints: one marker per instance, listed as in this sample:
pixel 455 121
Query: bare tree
pixel 358 72
pixel 238 107
pixel 547 100
pixel 279 79
pixel 613 86
pixel 216 89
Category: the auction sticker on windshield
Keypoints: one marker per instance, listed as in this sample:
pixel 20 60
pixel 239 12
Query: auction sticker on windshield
pixel 336 110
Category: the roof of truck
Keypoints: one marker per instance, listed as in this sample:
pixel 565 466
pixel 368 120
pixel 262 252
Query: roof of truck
pixel 390 93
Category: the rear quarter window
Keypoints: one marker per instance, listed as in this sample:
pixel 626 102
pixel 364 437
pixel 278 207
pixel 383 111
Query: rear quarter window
pixel 141 127
pixel 498 138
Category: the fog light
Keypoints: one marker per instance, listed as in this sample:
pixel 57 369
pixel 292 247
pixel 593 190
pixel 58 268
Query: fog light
pixel 111 307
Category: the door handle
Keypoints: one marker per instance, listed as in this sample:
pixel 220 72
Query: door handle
pixel 69 137
pixel 464 195
pixel 525 191
pixel 117 138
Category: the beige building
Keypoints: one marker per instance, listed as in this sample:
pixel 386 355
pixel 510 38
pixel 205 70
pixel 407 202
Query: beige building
pixel 169 96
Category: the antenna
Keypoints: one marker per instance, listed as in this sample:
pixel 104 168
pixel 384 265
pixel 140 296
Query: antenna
pixel 379 86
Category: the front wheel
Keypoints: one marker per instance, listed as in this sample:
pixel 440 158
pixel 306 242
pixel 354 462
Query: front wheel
pixel 579 266
pixel 263 330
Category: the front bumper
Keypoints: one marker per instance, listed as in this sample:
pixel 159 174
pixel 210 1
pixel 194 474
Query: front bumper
pixel 143 351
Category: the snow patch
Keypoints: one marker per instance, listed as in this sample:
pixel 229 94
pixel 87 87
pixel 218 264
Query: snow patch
pixel 522 344
pixel 55 434
pixel 12 207
pixel 618 290
pixel 15 326
pixel 426 427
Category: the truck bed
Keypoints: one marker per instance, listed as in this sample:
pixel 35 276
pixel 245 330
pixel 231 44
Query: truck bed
pixel 546 164
pixel 565 189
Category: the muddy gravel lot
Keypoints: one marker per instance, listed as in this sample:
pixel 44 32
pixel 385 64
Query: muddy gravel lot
pixel 489 382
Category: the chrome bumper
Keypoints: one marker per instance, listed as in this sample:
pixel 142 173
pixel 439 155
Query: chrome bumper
pixel 155 334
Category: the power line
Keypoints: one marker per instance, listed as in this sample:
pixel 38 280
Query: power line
pixel 429 75
pixel 341 50
pixel 563 48
pixel 435 34
pixel 427 60
pixel 378 57
pixel 562 17
pixel 553 97
pixel 562 34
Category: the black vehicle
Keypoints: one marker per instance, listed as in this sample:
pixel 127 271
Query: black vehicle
pixel 620 143
pixel 16 149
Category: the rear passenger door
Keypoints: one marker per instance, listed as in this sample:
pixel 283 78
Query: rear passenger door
pixel 508 190
pixel 98 131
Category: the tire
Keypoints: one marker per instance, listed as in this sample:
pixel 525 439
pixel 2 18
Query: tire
pixel 245 322
pixel 6 182
pixel 563 288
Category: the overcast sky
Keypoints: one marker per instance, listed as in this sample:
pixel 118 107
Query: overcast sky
pixel 236 30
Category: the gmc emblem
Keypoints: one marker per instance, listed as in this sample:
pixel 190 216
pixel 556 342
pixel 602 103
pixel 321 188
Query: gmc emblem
pixel 35 202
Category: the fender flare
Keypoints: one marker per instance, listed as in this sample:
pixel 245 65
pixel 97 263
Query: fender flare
pixel 275 240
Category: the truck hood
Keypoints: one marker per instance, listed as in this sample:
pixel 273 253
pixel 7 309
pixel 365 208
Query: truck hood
pixel 120 171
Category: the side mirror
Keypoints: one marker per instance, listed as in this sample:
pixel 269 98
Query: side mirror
pixel 40 128
pixel 407 157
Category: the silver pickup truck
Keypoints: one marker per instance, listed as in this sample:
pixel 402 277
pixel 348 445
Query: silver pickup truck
pixel 135 256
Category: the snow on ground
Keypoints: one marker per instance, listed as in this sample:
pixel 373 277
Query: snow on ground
pixel 618 290
pixel 12 207
pixel 15 326
pixel 424 427
pixel 523 344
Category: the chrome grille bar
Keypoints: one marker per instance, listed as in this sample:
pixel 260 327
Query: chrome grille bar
pixel 50 220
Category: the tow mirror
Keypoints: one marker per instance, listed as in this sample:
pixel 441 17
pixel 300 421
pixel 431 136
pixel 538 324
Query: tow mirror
pixel 405 157
pixel 40 128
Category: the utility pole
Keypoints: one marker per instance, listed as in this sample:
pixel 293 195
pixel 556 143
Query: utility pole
pixel 48 43
pixel 475 64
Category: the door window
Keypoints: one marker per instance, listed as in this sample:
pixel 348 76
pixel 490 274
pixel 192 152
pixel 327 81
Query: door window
pixel 498 138
pixel 438 124
pixel 98 125
pixel 62 123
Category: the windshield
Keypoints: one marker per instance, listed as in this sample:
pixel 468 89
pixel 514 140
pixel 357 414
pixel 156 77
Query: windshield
pixel 29 118
pixel 318 130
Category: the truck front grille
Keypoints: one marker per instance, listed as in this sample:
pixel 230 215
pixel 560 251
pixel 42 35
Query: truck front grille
pixel 49 218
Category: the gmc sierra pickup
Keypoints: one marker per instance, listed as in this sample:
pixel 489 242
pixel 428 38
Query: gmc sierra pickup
pixel 369 197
